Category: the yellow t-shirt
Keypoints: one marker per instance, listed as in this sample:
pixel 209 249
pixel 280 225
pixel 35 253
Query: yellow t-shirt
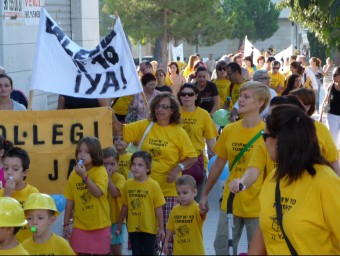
pixel 310 209
pixel 187 224
pixel 181 65
pixel 56 245
pixel 21 195
pixel 142 198
pixel 276 80
pixel 231 141
pixel 235 91
pixel 18 250
pixel 124 164
pixel 89 212
pixel 122 104
pixel 116 202
pixel 326 142
pixel 198 125
pixel 187 71
pixel 222 87
pixel 168 146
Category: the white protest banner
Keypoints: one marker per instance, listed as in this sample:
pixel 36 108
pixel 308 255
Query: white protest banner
pixel 286 53
pixel 177 52
pixel 63 67
pixel 250 50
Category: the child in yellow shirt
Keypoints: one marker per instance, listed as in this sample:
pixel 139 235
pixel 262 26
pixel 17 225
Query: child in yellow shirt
pixel 16 163
pixel 12 218
pixel 41 212
pixel 186 220
pixel 116 184
pixel 142 200
pixel 124 155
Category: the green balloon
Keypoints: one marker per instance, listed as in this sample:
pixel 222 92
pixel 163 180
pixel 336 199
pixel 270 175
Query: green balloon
pixel 221 117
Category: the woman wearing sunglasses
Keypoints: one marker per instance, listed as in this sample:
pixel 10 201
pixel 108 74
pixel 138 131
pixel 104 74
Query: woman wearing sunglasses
pixel 222 82
pixel 200 128
pixel 169 145
pixel 299 199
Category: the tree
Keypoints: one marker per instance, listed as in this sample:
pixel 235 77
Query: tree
pixel 319 16
pixel 256 19
pixel 317 49
pixel 195 21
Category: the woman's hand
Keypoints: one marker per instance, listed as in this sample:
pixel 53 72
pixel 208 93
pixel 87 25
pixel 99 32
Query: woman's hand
pixel 173 174
pixel 161 234
pixel 204 206
pixel 234 185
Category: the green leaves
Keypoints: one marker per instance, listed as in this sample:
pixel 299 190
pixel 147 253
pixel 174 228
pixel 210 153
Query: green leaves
pixel 258 19
pixel 320 16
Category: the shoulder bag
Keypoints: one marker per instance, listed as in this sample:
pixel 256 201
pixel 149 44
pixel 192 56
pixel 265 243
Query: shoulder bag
pixel 279 217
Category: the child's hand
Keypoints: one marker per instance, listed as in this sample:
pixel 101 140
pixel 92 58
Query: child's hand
pixel 80 170
pixel 9 187
pixel 118 229
pixel 161 234
pixel 109 171
pixel 66 232
pixel 165 248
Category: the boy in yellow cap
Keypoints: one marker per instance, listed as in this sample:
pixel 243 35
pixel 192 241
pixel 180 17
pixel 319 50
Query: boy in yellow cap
pixel 12 218
pixel 41 212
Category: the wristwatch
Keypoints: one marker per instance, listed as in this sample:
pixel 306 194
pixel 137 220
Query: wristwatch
pixel 181 166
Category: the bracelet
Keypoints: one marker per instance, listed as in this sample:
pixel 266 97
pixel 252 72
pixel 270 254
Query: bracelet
pixel 86 178
pixel 181 166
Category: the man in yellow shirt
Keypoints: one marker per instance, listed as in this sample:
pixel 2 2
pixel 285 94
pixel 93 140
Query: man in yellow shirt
pixel 277 80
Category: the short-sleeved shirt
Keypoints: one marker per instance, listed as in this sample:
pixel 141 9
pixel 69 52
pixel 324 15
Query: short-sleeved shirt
pixel 231 141
pixel 142 198
pixel 310 209
pixel 89 212
pixel 168 146
pixel 116 202
pixel 124 164
pixel 198 125
pixel 187 224
pixel 55 245
pixel 18 250
pixel 207 95
pixel 222 87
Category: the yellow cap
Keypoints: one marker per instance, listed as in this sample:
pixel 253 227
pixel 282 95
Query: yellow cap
pixel 39 201
pixel 11 213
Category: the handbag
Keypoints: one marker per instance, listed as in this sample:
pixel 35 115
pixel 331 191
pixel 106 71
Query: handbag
pixel 131 115
pixel 278 207
pixel 197 170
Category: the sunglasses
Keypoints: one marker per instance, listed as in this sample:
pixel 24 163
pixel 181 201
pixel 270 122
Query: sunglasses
pixel 275 68
pixel 334 75
pixel 220 69
pixel 266 135
pixel 163 106
pixel 189 94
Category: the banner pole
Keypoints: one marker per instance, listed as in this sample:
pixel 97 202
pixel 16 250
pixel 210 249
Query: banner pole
pixel 145 101
pixel 30 99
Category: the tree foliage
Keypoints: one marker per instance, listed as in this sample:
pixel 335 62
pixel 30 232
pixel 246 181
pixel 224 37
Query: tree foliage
pixel 194 21
pixel 256 19
pixel 317 49
pixel 320 16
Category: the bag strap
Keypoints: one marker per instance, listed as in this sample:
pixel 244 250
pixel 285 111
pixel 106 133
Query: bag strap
pixel 278 207
pixel 144 135
pixel 244 149
pixel 114 101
